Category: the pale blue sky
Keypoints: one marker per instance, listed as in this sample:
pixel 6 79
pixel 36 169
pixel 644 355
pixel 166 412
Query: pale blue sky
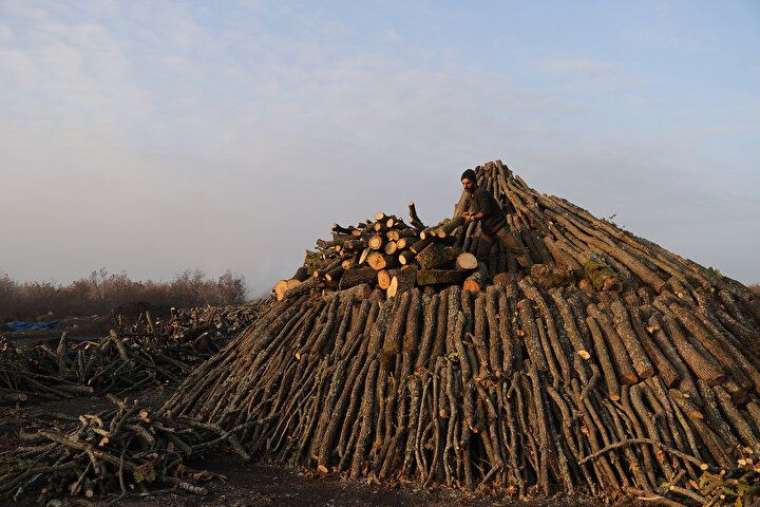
pixel 154 136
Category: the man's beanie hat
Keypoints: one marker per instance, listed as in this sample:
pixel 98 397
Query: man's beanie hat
pixel 469 174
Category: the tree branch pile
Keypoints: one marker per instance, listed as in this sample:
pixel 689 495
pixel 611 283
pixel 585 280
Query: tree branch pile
pixel 125 450
pixel 145 353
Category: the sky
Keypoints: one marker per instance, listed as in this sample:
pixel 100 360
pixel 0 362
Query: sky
pixel 154 136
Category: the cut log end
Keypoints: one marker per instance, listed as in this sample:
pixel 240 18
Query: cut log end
pixel 466 262
pixel 392 288
pixel 471 285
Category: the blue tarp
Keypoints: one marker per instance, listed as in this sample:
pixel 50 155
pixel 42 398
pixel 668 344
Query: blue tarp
pixel 20 325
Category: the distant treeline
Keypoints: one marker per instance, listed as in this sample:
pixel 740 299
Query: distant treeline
pixel 102 293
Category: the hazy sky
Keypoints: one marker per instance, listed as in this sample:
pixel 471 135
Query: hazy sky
pixel 156 136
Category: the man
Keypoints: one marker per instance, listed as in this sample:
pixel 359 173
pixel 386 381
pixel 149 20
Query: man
pixel 477 204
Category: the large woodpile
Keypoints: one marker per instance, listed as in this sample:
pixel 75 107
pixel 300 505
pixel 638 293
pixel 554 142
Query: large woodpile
pixel 110 455
pixel 613 367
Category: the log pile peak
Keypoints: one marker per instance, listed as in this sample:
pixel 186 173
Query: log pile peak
pixel 612 367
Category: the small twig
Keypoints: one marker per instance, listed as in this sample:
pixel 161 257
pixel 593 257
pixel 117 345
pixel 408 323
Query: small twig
pixel 634 441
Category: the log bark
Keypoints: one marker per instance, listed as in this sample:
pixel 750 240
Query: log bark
pixel 440 277
pixel 357 276
pixel 436 255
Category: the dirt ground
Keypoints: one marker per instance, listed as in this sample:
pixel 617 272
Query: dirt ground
pixel 252 485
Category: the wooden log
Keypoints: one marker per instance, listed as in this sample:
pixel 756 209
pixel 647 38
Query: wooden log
pixel 356 292
pixel 392 235
pixel 665 369
pixel 406 258
pixel 440 277
pixel 702 366
pixel 436 255
pixel 301 274
pixel 558 346
pixel 472 283
pixel 303 288
pixel 357 276
pixel 447 228
pixel 641 362
pixel 530 334
pixel 390 248
pixel 420 245
pixel 602 354
pixel 334 274
pixel 378 261
pixel 363 257
pixel 569 324
pixel 618 351
pixel 727 355
pixel 466 262
pixel 384 277
pixel 375 242
pixel 405 278
pixel 279 289
pixel 353 245
pixel 414 219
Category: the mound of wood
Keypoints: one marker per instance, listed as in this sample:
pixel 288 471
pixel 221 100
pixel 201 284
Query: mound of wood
pixel 143 353
pixel 125 450
pixel 642 382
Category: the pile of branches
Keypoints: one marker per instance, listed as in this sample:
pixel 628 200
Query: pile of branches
pixel 641 380
pixel 125 450
pixel 212 323
pixel 388 256
pixel 148 353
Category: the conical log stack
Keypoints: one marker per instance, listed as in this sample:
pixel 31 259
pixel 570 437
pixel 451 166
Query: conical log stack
pixel 539 383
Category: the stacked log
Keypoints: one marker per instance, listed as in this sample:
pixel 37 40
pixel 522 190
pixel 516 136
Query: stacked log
pixel 648 387
pixel 383 252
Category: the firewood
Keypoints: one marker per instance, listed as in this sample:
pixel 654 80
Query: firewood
pixel 279 289
pixel 384 277
pixel 466 262
pixel 420 245
pixel 405 258
pixel 378 261
pixel 390 248
pixel 440 276
pixel 436 255
pixel 356 276
pixel 414 219
pixel 539 383
pixel 473 283
pixel 375 242
pixel 402 281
